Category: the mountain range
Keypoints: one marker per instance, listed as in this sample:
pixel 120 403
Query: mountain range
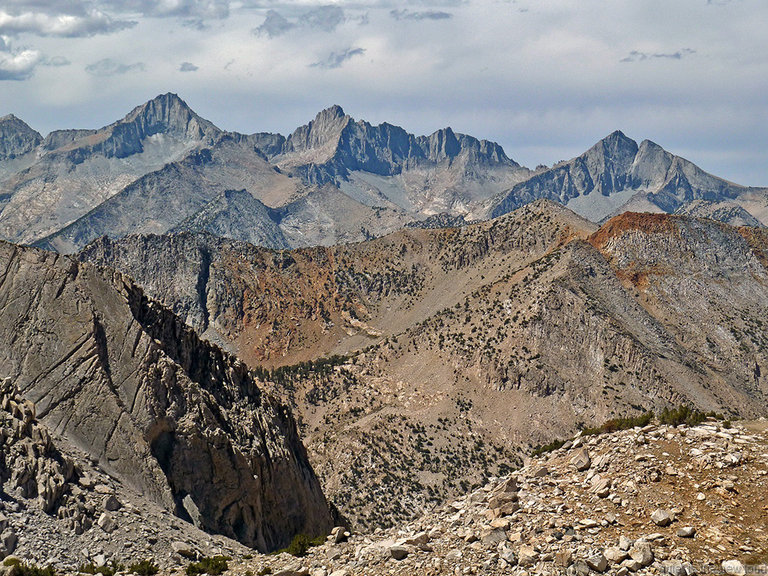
pixel 261 336
pixel 163 168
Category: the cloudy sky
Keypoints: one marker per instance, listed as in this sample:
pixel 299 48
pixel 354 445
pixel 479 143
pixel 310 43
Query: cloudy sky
pixel 545 78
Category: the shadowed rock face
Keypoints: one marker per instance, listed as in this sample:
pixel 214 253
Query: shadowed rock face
pixel 171 415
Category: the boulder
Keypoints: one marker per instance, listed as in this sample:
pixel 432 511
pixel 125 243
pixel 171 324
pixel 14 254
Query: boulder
pixel 581 460
pixel 597 562
pixel 662 517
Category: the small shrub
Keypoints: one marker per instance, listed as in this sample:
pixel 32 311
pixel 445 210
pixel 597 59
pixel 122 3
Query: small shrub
pixel 624 423
pixel 24 569
pixel 684 415
pixel 211 565
pixel 551 447
pixel 264 571
pixel 144 568
pixel 300 544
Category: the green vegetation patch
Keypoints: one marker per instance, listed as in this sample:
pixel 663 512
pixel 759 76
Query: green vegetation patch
pixel 211 565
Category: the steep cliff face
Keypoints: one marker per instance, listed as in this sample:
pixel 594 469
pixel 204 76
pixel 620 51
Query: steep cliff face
pixel 706 282
pixel 169 414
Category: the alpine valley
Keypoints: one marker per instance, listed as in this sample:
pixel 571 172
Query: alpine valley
pixel 225 344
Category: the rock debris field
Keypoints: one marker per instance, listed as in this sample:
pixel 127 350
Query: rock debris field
pixel 653 500
pixel 656 500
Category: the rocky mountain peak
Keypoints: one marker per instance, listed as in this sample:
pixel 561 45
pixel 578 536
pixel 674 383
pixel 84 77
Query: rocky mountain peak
pixel 443 144
pixel 167 113
pixel 320 134
pixel 615 150
pixel 16 137
pixel 334 111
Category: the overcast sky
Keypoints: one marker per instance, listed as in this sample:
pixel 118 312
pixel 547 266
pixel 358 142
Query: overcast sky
pixel 544 78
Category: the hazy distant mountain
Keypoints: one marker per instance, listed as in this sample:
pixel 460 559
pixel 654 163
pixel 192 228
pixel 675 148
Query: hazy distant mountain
pixel 443 172
pixel 76 170
pixel 727 212
pixel 333 180
pixel 16 138
pixel 17 145
pixel 616 175
pixel 163 199
pixel 238 215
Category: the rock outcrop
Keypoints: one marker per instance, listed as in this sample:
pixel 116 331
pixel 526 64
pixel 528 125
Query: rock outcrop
pixel 166 412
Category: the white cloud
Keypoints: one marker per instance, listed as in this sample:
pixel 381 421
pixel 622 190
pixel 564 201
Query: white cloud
pixel 109 67
pixel 16 64
pixel 336 59
pixel 61 24
pixel 204 9
pixel 324 18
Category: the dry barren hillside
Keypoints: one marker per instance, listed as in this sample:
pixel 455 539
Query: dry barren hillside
pixel 455 349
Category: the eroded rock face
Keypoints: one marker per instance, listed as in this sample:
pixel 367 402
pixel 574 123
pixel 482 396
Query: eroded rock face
pixel 169 414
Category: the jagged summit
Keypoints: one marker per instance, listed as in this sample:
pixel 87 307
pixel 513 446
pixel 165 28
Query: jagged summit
pixel 332 111
pixel 334 179
pixel 169 112
pixel 616 175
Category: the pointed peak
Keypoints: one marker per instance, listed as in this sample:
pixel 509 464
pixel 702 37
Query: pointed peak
pixel 16 137
pixel 618 136
pixel 330 113
pixel 615 142
pixel 649 144
pixel 11 119
pixel 168 112
pixel 167 100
